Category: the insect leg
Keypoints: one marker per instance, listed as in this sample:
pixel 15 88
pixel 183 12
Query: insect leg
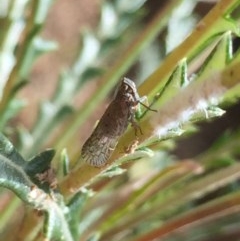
pixel 134 123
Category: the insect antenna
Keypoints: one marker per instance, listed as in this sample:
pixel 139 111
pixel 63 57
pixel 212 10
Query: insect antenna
pixel 147 107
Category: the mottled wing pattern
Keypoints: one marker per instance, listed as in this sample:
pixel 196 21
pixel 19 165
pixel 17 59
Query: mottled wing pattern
pixel 98 148
pixel 100 145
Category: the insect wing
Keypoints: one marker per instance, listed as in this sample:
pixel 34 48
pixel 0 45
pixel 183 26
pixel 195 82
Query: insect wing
pixel 100 145
pixel 97 149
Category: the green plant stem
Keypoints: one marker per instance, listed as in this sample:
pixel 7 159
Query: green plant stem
pixel 13 78
pixel 228 78
pixel 211 211
pixel 8 213
pixel 34 25
pixel 166 179
pixel 31 228
pixel 70 82
pixel 9 40
pixel 207 31
pixel 7 24
pixel 187 193
pixel 112 77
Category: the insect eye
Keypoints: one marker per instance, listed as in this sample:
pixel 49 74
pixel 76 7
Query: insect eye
pixel 129 90
pixel 125 87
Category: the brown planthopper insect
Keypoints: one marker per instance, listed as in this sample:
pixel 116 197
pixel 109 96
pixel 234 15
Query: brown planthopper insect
pixel 100 145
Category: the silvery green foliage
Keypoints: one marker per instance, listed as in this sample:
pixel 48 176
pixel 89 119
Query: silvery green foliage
pixel 20 176
pixel 116 17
